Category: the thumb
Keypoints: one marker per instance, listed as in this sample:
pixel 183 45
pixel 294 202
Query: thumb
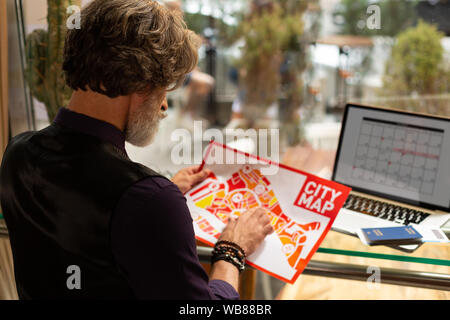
pixel 199 176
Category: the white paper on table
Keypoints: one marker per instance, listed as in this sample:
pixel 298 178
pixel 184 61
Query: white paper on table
pixel 431 234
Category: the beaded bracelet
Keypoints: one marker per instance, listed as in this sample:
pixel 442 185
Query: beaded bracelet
pixel 228 258
pixel 230 252
pixel 230 243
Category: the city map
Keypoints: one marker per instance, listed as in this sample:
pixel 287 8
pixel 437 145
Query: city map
pixel 248 189
pixel 301 207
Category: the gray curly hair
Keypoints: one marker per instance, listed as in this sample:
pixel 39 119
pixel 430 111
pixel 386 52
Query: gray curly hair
pixel 128 46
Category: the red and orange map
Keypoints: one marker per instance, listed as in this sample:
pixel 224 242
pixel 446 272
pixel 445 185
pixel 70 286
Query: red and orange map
pixel 218 198
pixel 247 189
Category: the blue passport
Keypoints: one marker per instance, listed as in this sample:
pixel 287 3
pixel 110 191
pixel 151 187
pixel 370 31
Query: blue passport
pixel 392 235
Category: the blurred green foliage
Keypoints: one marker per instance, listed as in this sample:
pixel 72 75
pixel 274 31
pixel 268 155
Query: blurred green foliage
pixel 273 45
pixel 418 64
pixel 269 32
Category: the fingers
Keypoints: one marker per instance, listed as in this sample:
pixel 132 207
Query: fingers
pixel 260 211
pixel 263 218
pixel 248 229
pixel 196 169
pixel 193 169
pixel 262 215
pixel 199 177
pixel 257 212
pixel 232 220
pixel 268 229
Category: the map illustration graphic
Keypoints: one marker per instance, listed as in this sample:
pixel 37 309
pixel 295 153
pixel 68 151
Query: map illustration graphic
pixel 290 197
pixel 246 189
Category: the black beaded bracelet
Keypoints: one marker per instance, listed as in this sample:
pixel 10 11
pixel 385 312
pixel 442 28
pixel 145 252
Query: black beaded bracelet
pixel 229 258
pixel 230 243
pixel 230 250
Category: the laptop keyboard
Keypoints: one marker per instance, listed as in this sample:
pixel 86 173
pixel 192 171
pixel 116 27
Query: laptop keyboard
pixel 384 210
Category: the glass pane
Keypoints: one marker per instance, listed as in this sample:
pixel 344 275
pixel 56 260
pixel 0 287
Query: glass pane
pixel 293 66
pixel 290 66
pixel 20 105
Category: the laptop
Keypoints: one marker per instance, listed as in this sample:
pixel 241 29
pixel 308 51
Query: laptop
pixel 398 166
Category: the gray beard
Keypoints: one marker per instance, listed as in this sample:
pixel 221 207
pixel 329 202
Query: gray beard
pixel 143 125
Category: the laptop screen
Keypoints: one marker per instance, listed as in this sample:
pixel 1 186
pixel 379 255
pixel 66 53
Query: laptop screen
pixel 396 155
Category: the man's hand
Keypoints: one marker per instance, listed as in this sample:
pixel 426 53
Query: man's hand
pixel 248 230
pixel 188 178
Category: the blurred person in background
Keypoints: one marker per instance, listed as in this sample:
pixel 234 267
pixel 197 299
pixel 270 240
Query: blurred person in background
pixel 198 85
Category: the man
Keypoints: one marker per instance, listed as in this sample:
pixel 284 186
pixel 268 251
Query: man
pixel 84 220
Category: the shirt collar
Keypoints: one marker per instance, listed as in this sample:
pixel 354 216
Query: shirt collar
pixel 94 127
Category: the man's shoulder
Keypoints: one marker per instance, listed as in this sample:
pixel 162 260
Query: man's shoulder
pixel 152 186
pixel 19 141
pixel 17 146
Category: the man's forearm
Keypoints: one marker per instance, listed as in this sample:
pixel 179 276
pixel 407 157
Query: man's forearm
pixel 225 271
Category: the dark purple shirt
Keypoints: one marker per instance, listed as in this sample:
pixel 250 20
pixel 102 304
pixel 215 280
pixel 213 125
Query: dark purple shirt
pixel 152 237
